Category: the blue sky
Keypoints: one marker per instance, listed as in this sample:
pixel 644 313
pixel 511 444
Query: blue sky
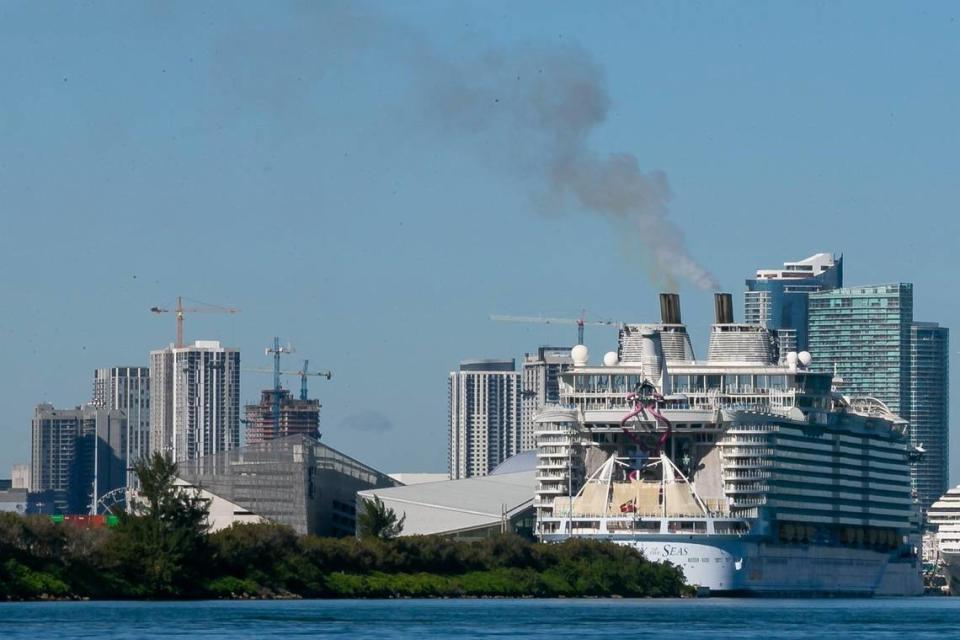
pixel 294 160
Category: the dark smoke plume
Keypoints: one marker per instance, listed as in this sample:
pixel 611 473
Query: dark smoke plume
pixel 534 110
pixel 527 110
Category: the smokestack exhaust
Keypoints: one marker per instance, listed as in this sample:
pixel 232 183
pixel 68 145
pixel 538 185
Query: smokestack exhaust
pixel 670 308
pixel 723 306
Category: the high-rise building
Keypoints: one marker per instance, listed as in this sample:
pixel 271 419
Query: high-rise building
pixel 296 417
pixel 929 408
pixel 868 335
pixel 776 299
pixel 864 332
pixel 484 416
pixel 195 400
pixel 127 389
pixel 77 455
pixel 540 381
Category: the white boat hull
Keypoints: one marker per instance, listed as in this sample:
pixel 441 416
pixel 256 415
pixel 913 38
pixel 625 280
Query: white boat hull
pixel 750 567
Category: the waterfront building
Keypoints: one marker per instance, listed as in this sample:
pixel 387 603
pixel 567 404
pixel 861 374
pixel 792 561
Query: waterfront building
pixel 929 408
pixel 296 481
pixel 296 417
pixel 127 389
pixel 468 508
pixel 195 400
pixel 484 425
pixel 77 455
pixel 776 299
pixel 540 386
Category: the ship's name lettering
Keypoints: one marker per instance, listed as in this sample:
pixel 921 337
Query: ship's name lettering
pixel 673 550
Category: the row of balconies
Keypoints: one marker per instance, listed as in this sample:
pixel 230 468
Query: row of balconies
pixel 731 451
pixel 752 487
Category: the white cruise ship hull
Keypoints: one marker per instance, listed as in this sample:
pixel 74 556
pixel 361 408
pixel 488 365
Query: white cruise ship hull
pixel 731 565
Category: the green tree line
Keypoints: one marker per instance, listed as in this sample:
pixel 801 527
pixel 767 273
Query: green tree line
pixel 162 550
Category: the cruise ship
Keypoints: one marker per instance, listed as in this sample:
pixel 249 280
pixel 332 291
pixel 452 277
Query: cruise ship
pixel 748 470
pixel 945 515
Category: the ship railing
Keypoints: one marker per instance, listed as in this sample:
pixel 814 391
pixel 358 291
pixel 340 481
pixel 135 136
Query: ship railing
pixel 737 474
pixel 747 502
pixel 753 487
pixel 731 450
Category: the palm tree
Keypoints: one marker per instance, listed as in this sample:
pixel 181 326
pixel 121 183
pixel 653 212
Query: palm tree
pixel 377 520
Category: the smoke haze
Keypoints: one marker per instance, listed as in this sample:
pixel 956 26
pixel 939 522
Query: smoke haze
pixel 526 110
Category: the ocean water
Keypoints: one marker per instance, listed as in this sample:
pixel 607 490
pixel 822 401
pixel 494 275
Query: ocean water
pixel 715 618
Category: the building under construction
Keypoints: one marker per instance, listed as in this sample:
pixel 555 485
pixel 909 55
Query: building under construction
pixel 277 417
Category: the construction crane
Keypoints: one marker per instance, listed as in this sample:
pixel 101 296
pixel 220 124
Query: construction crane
pixel 303 373
pixel 580 322
pixel 179 310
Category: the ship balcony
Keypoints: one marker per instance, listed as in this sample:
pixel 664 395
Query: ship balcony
pixel 745 439
pixel 739 451
pixel 746 463
pixel 751 429
pixel 551 476
pixel 557 490
pixel 741 474
pixel 552 464
pixel 736 502
pixel 754 487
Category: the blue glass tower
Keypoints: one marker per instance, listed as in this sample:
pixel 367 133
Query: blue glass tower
pixel 777 299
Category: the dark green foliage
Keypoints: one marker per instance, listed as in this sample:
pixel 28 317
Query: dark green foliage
pixel 160 550
pixel 377 520
pixel 164 552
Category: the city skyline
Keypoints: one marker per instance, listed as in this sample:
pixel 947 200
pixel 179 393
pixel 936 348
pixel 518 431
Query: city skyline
pixel 136 171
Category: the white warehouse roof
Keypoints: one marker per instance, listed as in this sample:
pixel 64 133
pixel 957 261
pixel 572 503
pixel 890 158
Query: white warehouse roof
pixel 458 505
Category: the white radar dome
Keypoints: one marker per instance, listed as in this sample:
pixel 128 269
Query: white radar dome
pixel 579 354
pixel 792 359
pixel 805 358
pixel 610 359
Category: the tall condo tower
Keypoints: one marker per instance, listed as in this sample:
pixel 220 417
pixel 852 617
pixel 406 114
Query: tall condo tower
pixel 195 403
pixel 76 456
pixel 127 389
pixel 929 413
pixel 484 416
pixel 540 386
pixel 776 299
pixel 869 334
pixel 864 332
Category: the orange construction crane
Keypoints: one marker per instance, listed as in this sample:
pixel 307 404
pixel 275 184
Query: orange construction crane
pixel 180 310
pixel 580 322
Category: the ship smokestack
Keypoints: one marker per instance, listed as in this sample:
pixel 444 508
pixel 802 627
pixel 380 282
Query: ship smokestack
pixel 670 308
pixel 723 306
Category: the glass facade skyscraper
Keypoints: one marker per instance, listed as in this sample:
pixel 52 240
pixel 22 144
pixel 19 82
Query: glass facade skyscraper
pixel 868 336
pixel 776 299
pixel 929 411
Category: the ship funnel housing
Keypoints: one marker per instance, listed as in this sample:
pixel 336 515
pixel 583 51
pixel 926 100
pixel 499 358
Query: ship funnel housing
pixel 723 307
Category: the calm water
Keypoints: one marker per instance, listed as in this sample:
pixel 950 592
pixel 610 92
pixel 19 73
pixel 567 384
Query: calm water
pixel 716 619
